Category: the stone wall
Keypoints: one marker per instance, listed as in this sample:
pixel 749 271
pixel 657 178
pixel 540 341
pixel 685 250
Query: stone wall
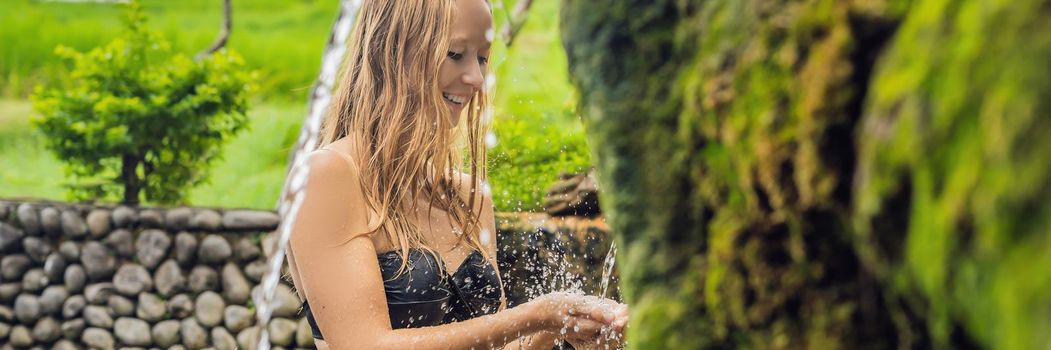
pixel 76 275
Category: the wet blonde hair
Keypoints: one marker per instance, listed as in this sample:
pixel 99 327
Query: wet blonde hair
pixel 389 99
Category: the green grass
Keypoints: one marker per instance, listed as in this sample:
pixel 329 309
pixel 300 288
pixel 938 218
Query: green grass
pixel 535 123
pixel 281 39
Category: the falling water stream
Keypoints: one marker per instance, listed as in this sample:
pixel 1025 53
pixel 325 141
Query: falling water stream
pixel 293 192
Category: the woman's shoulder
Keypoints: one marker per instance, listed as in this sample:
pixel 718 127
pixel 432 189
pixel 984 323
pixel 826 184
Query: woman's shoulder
pixel 333 159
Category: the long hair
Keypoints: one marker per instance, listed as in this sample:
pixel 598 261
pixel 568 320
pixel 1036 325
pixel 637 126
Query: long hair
pixel 408 148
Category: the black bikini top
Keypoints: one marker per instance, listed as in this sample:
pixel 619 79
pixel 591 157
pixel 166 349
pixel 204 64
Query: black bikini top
pixel 424 295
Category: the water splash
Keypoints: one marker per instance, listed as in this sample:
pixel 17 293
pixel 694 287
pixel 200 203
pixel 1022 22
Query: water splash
pixel 607 268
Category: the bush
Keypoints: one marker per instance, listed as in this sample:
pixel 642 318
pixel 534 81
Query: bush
pixel 530 153
pixel 131 116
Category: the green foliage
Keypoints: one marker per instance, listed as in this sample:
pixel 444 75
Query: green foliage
pixel 529 154
pixel 132 114
pixel 536 126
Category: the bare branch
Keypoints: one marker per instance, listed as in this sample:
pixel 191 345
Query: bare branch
pixel 515 21
pixel 224 32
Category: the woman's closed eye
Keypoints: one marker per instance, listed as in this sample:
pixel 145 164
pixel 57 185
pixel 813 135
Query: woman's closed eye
pixel 456 56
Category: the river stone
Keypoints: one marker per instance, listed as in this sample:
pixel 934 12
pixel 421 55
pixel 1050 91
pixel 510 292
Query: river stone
pixel 235 287
pixel 169 278
pixel 193 335
pixel 74 278
pixel 36 249
pixel 6 314
pixel 178 219
pixel 98 293
pixel 304 335
pixel 237 220
pixel 47 330
pixel 64 344
pixel 10 237
pixel 248 338
pixel 255 270
pixel 98 338
pixel 151 308
pixel 27 308
pixel 55 267
pixel 269 244
pixel 20 336
pixel 72 329
pixel 213 250
pixel 122 242
pixel 165 333
pixel 222 339
pixel 13 267
pixel 52 298
pixel 237 318
pixel 5 329
pixel 185 248
pixel 124 216
pixel 207 220
pixel 34 280
pixel 282 331
pixel 98 223
pixel 151 247
pixel 8 291
pixel 151 218
pixel 286 303
pixel 73 225
pixel 209 309
pixel 51 221
pixel 203 278
pixel 246 250
pixel 132 279
pixel 132 331
pixel 69 250
pixel 28 219
pixel 120 306
pixel 98 261
pixel 73 306
pixel 98 316
pixel 180 306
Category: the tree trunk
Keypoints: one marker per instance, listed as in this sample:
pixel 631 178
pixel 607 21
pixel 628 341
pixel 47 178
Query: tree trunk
pixel 823 174
pixel 130 177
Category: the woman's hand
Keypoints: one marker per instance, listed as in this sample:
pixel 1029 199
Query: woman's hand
pixel 582 319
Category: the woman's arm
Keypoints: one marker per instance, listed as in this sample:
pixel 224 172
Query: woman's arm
pixel 342 281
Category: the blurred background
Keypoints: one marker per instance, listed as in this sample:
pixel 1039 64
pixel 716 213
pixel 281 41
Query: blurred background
pixel 536 131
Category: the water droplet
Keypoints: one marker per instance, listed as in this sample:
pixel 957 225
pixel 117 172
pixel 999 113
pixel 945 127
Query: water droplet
pixel 490 140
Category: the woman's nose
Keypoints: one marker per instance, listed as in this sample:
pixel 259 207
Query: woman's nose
pixel 474 77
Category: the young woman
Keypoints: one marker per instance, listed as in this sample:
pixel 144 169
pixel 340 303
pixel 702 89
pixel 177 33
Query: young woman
pixel 394 247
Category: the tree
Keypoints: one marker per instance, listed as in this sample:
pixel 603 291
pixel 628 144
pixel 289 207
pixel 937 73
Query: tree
pixel 823 174
pixel 132 117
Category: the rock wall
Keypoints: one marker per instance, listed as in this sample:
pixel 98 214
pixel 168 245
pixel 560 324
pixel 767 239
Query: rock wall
pixel 76 276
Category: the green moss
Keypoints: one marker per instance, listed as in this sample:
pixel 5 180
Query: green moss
pixel 959 130
pixel 927 230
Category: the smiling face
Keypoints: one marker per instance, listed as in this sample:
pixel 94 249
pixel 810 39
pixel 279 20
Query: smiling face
pixel 462 74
